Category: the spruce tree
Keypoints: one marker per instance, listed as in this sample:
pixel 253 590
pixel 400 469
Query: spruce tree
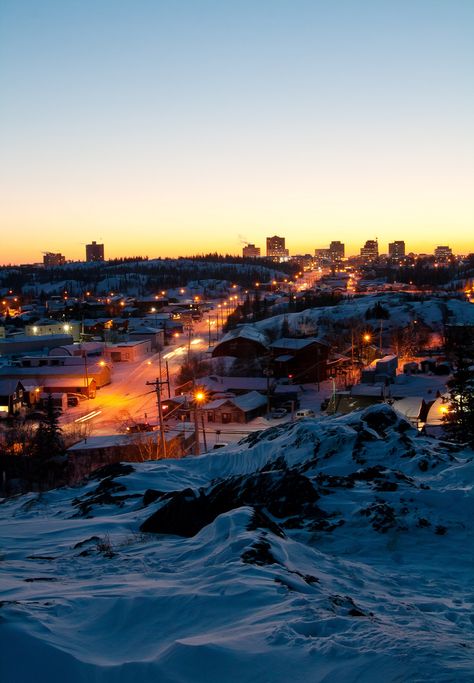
pixel 48 441
pixel 459 418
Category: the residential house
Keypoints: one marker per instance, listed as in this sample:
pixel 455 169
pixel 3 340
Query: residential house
pixel 11 396
pixel 244 342
pixel 240 409
pixel 302 360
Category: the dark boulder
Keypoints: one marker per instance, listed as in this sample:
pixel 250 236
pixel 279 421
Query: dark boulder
pixel 281 494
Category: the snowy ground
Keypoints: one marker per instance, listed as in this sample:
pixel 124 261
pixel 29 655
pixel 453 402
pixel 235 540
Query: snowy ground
pixel 332 550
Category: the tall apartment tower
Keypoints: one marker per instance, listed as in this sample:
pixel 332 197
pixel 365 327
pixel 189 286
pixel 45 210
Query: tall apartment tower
pixel 396 250
pixel 336 251
pixel 251 251
pixel 94 252
pixel 276 248
pixel 50 259
pixel 370 250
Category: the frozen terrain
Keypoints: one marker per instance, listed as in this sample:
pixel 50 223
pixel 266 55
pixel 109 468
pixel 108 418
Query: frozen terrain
pixel 334 549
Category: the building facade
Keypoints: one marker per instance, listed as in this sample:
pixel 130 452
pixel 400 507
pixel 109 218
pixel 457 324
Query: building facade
pixel 370 250
pixel 94 252
pixel 50 259
pixel 396 250
pixel 276 249
pixel 443 252
pixel 251 251
pixel 336 250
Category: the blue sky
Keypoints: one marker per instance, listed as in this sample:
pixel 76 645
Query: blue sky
pixel 174 127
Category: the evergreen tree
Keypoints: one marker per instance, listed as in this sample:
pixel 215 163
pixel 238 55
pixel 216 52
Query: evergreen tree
pixel 459 418
pixel 48 441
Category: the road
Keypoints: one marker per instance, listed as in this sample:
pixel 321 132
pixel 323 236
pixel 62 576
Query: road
pixel 128 399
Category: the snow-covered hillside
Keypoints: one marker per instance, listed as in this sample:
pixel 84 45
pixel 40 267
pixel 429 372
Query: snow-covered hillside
pixel 333 550
pixel 401 309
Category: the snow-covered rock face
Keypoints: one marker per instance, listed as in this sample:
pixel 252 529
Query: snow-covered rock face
pixel 328 550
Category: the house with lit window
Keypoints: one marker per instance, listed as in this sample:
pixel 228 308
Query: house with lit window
pixel 51 327
pixel 11 396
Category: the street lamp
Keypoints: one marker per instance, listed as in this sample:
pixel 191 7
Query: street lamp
pixel 199 399
pixel 366 338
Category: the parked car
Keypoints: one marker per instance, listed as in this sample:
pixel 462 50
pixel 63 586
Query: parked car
pixel 140 427
pixel 304 412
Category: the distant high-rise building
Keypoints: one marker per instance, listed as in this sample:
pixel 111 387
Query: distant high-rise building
pixel 336 251
pixel 50 259
pixel 94 252
pixel 396 250
pixel 276 248
pixel 251 251
pixel 442 253
pixel 370 250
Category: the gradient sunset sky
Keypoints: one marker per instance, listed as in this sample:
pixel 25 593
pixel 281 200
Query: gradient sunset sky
pixel 174 127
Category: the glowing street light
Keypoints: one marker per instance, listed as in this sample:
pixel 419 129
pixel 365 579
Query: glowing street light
pixel 199 398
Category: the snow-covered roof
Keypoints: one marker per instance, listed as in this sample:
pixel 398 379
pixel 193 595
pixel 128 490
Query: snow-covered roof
pixel 367 390
pixel 71 349
pixel 42 371
pixel 218 384
pixel 145 330
pixel 71 381
pixel 410 407
pixel 217 403
pixel 385 359
pixel 250 401
pixel 249 332
pixel 296 344
pixel 424 386
pixel 128 344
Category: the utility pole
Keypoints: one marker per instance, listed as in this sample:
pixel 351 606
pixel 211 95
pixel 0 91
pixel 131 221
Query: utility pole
pixel 268 372
pixel 203 432
pixel 84 353
pixel 168 378
pixel 189 328
pixel 197 449
pixel 157 384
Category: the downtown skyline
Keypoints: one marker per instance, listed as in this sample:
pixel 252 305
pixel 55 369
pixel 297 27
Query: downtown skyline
pixel 167 131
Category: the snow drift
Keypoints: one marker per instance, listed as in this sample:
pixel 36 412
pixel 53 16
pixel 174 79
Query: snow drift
pixel 337 549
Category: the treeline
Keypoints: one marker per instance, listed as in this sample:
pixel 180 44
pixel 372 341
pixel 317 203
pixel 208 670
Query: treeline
pixel 151 275
pixel 425 272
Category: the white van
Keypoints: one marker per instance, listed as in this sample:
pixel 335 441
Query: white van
pixel 304 412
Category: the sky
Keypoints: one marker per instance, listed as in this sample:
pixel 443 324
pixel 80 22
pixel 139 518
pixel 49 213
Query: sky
pixel 172 127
